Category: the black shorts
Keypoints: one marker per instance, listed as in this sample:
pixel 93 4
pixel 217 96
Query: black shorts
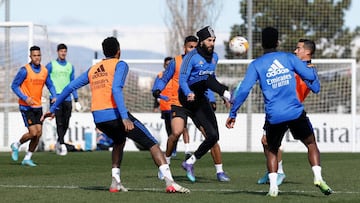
pixel 166 115
pixel 300 128
pixel 115 129
pixel 31 116
pixel 64 110
pixel 179 111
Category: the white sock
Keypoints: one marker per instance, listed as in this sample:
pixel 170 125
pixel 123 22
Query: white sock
pixel 280 167
pixel 165 170
pixel 168 159
pixel 317 173
pixel 219 168
pixel 28 155
pixel 273 180
pixel 187 148
pixel 191 160
pixel 115 172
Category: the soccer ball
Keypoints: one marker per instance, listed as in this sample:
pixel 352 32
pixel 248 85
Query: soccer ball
pixel 239 45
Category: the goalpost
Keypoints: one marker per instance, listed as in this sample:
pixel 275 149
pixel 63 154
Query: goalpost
pixel 14 53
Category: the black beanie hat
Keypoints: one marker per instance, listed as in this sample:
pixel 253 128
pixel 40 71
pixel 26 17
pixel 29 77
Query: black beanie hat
pixel 270 38
pixel 205 33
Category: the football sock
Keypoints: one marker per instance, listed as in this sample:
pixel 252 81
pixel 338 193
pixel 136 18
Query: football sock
pixel 168 159
pixel 273 179
pixel 317 173
pixel 165 170
pixel 115 172
pixel 219 168
pixel 28 155
pixel 187 148
pixel 191 160
pixel 280 167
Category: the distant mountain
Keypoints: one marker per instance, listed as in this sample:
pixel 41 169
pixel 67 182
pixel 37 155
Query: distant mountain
pixel 82 57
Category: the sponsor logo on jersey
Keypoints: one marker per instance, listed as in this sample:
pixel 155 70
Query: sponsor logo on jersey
pixel 278 75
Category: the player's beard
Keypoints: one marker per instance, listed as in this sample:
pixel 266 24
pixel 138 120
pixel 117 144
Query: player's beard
pixel 206 52
pixel 208 49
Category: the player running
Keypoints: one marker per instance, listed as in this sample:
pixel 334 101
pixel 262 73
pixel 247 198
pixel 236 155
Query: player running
pixel 28 85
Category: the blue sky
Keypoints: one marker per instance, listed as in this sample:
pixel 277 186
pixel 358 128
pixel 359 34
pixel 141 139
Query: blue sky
pixel 86 22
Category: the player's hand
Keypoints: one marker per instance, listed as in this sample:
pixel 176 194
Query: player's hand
pixel 46 115
pixel 191 97
pixel 53 100
pixel 29 101
pixel 129 125
pixel 77 106
pixel 227 104
pixel 230 122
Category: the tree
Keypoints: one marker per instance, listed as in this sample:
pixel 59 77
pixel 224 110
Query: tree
pixel 185 17
pixel 319 20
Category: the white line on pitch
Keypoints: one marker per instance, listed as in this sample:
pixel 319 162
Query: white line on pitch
pixel 162 189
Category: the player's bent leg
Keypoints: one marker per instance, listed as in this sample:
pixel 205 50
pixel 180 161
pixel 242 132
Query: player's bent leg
pixel 313 150
pixel 116 154
pixel 171 143
pixel 159 159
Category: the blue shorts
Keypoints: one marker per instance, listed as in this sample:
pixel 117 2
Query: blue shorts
pixel 31 116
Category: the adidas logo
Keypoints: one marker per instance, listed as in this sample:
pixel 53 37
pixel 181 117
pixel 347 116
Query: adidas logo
pixel 100 71
pixel 276 68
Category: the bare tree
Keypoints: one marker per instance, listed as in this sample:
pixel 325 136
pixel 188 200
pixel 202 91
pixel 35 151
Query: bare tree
pixel 185 17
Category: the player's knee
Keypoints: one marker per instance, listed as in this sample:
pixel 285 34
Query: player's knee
pixel 174 138
pixel 35 134
pixel 309 140
pixel 264 143
pixel 212 139
pixel 176 133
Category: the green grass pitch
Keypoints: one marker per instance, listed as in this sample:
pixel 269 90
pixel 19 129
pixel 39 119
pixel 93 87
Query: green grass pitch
pixel 86 176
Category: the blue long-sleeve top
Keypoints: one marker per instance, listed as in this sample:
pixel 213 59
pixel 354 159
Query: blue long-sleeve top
pixel 276 74
pixel 161 82
pixel 104 115
pixel 195 68
pixel 19 79
pixel 72 77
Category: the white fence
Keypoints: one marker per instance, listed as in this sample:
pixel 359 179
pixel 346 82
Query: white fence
pixel 332 133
